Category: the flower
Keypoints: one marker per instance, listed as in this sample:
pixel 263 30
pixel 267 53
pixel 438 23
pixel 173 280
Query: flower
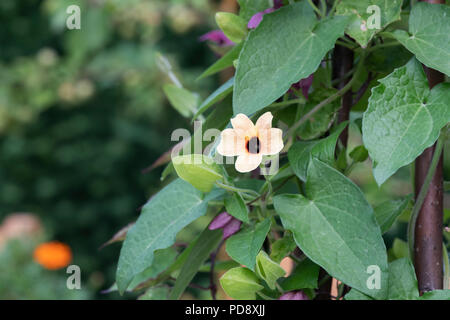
pixel 250 142
pixel 218 37
pixel 255 20
pixel 304 84
pixel 294 295
pixel 228 223
pixel 53 255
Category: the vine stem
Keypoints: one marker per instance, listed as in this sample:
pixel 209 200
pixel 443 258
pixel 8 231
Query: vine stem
pixel 423 192
pixel 331 98
pixel 315 8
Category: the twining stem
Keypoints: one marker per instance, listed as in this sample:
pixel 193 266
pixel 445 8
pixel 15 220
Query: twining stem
pixel 330 99
pixel 333 8
pixel 234 189
pixel 423 192
pixel 315 8
pixel 384 45
pixel 288 102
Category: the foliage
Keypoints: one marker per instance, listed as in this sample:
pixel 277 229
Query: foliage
pixel 314 208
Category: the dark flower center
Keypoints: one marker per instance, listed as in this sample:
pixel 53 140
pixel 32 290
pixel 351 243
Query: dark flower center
pixel 253 145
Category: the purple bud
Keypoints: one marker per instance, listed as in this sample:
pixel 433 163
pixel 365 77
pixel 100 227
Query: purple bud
pixel 255 20
pixel 304 84
pixel 231 228
pixel 294 295
pixel 218 37
pixel 277 4
pixel 220 221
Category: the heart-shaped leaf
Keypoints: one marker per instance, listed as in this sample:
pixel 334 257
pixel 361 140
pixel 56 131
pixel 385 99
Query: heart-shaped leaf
pixel 287 46
pixel 336 228
pixel 404 117
pixel 240 283
pixel 429 35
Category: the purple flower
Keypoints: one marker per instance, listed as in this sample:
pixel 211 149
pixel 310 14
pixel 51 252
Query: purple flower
pixel 294 295
pixel 218 37
pixel 304 84
pixel 255 20
pixel 228 223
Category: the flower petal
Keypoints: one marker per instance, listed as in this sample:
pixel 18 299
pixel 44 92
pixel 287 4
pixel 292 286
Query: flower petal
pixel 242 122
pixel 220 221
pixel 264 121
pixel 294 295
pixel 271 141
pixel 248 162
pixel 218 37
pixel 231 143
pixel 231 228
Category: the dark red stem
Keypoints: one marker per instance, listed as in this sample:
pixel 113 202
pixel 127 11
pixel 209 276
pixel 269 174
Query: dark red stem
pixel 428 230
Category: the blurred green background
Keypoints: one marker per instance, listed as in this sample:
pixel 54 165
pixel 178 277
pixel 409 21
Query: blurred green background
pixel 81 114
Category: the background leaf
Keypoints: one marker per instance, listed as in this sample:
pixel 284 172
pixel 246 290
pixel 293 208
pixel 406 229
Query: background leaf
pixel 387 212
pixel 245 245
pixel 305 275
pixel 208 241
pixel 402 280
pixel 300 153
pixel 268 270
pixel 403 118
pixel 184 101
pixel 429 35
pixel 357 10
pixel 200 171
pixel 235 206
pixel 240 283
pixel 169 211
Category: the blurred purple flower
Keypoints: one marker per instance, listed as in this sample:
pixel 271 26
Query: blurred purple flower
pixel 255 20
pixel 228 223
pixel 294 295
pixel 218 37
pixel 304 84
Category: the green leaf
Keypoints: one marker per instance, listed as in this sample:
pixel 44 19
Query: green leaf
pixel 268 270
pixel 224 62
pixel 240 283
pixel 387 212
pixel 321 121
pixel 305 275
pixel 436 295
pixel 208 241
pixel 400 248
pixel 356 295
pixel 429 35
pixel 235 206
pixel 287 46
pixel 402 281
pixel 282 247
pixel 184 101
pixel 300 153
pixel 250 7
pixel 216 96
pixel 155 293
pixel 403 118
pixel 244 246
pixel 166 213
pixel 200 171
pixel 234 27
pixel 362 27
pixel 335 227
pixel 359 154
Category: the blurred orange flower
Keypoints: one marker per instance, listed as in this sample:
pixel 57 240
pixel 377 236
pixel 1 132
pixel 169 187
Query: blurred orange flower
pixel 53 255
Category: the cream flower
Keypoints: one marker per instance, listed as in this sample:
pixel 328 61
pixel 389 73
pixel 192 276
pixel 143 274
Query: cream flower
pixel 250 142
